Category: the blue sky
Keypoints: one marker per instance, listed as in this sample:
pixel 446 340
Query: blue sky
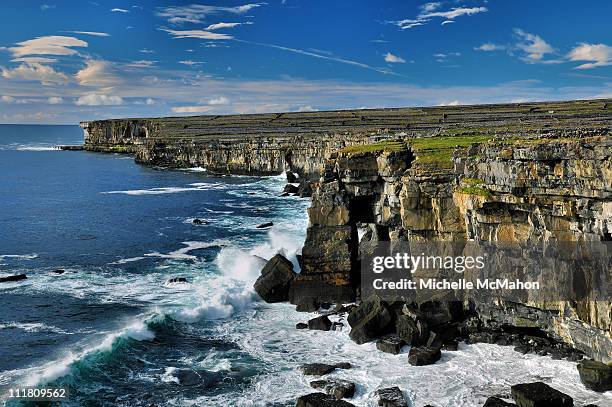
pixel 66 61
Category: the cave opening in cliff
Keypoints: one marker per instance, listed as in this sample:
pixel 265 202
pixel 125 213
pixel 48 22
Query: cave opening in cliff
pixel 362 209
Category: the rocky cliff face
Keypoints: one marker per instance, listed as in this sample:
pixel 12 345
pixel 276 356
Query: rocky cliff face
pixel 522 192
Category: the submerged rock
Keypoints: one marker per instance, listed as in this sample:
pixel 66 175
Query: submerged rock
pixel 391 397
pixel 321 323
pixel 58 271
pixel 369 321
pixel 291 189
pixel 321 400
pixel 15 277
pixel 320 369
pixel 301 325
pixel 596 376
pixel 340 389
pixel 197 221
pixel 422 356
pixel 177 280
pixel 265 225
pixel 539 394
pixel 291 177
pixel 275 280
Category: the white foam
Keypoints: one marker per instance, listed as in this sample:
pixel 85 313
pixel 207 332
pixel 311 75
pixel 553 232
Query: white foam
pixel 183 253
pixel 128 260
pixel 195 169
pixel 19 256
pixel 29 147
pixel 33 327
pixel 199 186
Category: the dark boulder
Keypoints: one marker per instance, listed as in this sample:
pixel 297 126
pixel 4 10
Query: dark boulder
pixel 275 280
pixel 320 369
pixel 441 312
pixel 291 189
pixel 539 394
pixel 177 280
pixel 391 397
pixel 407 329
pixel 497 402
pixel 58 271
pixel 596 376
pixel 15 277
pixel 307 304
pixel 451 346
pixel 390 344
pixel 291 177
pixel 265 225
pixel 369 321
pixel 434 341
pixel 301 325
pixel 321 400
pixel 340 389
pixel 321 323
pixel 198 222
pixel 421 356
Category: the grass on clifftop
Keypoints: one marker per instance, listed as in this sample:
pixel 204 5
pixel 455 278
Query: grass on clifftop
pixel 381 146
pixel 437 151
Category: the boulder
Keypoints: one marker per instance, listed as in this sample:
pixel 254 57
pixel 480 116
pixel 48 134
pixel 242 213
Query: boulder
pixel 497 402
pixel 539 394
pixel 337 326
pixel 58 271
pixel 320 369
pixel 391 397
pixel 340 389
pixel 434 341
pixel 291 177
pixel 197 221
pixel 305 189
pixel 407 329
pixel 369 321
pixel 451 346
pixel 275 280
pixel 321 400
pixel 301 325
pixel 15 277
pixel 291 189
pixel 596 376
pixel 307 305
pixel 265 225
pixel 321 323
pixel 390 344
pixel 421 356
pixel 177 280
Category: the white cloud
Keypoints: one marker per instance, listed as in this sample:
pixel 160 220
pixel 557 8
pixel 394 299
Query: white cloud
pixel 534 47
pixel 453 103
pixel 192 109
pixel 95 99
pixel 394 59
pixel 149 101
pixel 97 73
pixel 447 22
pixel 46 7
pixel 35 72
pixel 219 101
pixel 595 54
pixel 219 26
pixel 454 13
pixel 201 34
pixel 7 99
pixel 35 60
pixel 430 11
pixel 196 13
pixel 189 62
pixel 307 108
pixel 489 47
pixel 55 100
pixel 429 7
pixel 48 45
pixel 92 33
pixel 146 51
pixel 120 10
pixel 143 63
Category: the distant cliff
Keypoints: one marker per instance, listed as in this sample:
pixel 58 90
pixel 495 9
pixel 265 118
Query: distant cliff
pixel 521 173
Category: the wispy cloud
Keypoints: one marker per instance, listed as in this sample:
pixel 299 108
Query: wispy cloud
pixel 48 45
pixel 219 101
pixel 200 34
pixel 431 11
pixel 489 47
pixel 95 99
pixel 146 51
pixel 35 60
pixel 534 48
pixel 196 13
pixel 46 7
pixel 55 100
pixel 189 62
pixel 120 10
pixel 219 26
pixel 97 73
pixel 192 109
pixel 143 63
pixel 92 33
pixel 44 74
pixel 595 55
pixel 394 59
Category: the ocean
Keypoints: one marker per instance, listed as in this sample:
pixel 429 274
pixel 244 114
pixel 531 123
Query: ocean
pixel 113 329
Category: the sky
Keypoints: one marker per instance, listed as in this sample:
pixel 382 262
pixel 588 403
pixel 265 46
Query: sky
pixel 63 61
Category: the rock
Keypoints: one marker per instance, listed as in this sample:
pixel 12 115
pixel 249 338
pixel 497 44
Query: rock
pixel 189 377
pixel 340 389
pixel 320 369
pixel 407 329
pixel 305 189
pixel 337 326
pixel 369 321
pixel 390 344
pixel 421 356
pixel 197 221
pixel 291 189
pixel 177 280
pixel 58 271
pixel 321 323
pixel 321 400
pixel 301 325
pixel 285 194
pixel 307 305
pixel 434 341
pixel 275 280
pixel 291 177
pixel 391 397
pixel 539 394
pixel 264 225
pixel 15 277
pixel 596 376
pixel 451 346
pixel 497 402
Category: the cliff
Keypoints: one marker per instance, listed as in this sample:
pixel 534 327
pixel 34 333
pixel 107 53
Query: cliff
pixel 518 173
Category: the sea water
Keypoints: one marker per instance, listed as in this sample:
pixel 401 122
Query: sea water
pixel 116 332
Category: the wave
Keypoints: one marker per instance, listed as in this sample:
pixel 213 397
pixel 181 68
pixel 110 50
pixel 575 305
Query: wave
pixel 19 256
pixel 183 253
pixel 29 147
pixel 198 186
pixel 33 327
